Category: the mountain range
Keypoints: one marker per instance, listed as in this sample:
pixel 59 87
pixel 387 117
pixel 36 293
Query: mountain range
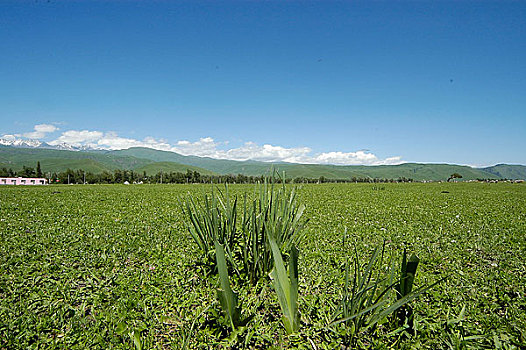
pixel 55 158
pixel 32 143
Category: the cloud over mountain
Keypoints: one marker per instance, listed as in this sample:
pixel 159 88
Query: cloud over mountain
pixel 40 131
pixel 208 147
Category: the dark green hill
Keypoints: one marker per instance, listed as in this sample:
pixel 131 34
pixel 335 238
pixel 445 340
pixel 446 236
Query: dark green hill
pixel 51 165
pixel 153 161
pixel 95 162
pixel 220 166
pixel 507 171
pixel 59 164
pixel 414 171
pixel 58 160
pixel 167 167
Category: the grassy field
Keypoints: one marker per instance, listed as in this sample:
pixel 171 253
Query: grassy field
pixel 111 266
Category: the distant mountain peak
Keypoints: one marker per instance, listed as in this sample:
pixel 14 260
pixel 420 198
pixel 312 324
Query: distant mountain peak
pixel 33 143
pixel 18 142
pixel 69 147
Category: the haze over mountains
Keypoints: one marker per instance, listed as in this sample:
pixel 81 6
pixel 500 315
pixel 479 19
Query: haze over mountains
pixel 16 153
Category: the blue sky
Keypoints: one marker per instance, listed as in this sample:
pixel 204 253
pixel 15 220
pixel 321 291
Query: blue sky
pixel 323 82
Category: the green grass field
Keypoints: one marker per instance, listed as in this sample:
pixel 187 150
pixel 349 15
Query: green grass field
pixel 113 266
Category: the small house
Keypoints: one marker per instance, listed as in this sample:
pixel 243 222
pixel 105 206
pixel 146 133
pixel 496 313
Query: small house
pixel 22 181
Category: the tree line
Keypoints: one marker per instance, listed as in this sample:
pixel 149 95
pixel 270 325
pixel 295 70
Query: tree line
pixel 25 172
pixel 120 176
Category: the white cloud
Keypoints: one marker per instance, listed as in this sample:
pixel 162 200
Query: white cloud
pixel 266 153
pixel 45 128
pixel 40 131
pixel 111 140
pixel 205 147
pixel 390 161
pixel 208 147
pixel 78 138
pixel 353 158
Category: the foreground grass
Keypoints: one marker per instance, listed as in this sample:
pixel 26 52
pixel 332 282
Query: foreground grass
pixel 102 266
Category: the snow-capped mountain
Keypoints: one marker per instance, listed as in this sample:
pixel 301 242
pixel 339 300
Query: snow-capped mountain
pixel 16 142
pixel 31 143
pixel 69 147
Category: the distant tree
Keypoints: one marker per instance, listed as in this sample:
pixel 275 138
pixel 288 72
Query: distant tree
pixel 454 176
pixel 67 177
pixel 4 172
pixel 79 176
pixel 118 176
pixel 189 175
pixel 28 171
pixel 39 171
pixel 106 177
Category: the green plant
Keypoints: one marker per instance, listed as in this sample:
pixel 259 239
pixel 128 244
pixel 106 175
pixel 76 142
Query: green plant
pixel 286 287
pixel 367 298
pixel 271 227
pixel 134 333
pixel 404 287
pixel 273 212
pixel 227 298
pixel 360 300
pixel 456 337
pixel 214 220
pixel 282 213
pixel 77 261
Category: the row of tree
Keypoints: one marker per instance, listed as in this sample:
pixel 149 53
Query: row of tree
pixel 119 176
pixel 25 172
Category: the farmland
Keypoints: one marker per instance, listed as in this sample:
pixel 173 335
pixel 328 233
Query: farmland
pixel 96 266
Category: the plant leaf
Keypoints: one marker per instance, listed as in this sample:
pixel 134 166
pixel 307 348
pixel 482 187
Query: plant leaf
pixel 227 298
pixel 287 290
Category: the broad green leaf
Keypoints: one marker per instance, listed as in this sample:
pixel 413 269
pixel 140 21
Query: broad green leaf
pixel 286 289
pixel 227 298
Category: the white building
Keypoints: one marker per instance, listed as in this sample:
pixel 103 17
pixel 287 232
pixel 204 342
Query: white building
pixel 22 181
